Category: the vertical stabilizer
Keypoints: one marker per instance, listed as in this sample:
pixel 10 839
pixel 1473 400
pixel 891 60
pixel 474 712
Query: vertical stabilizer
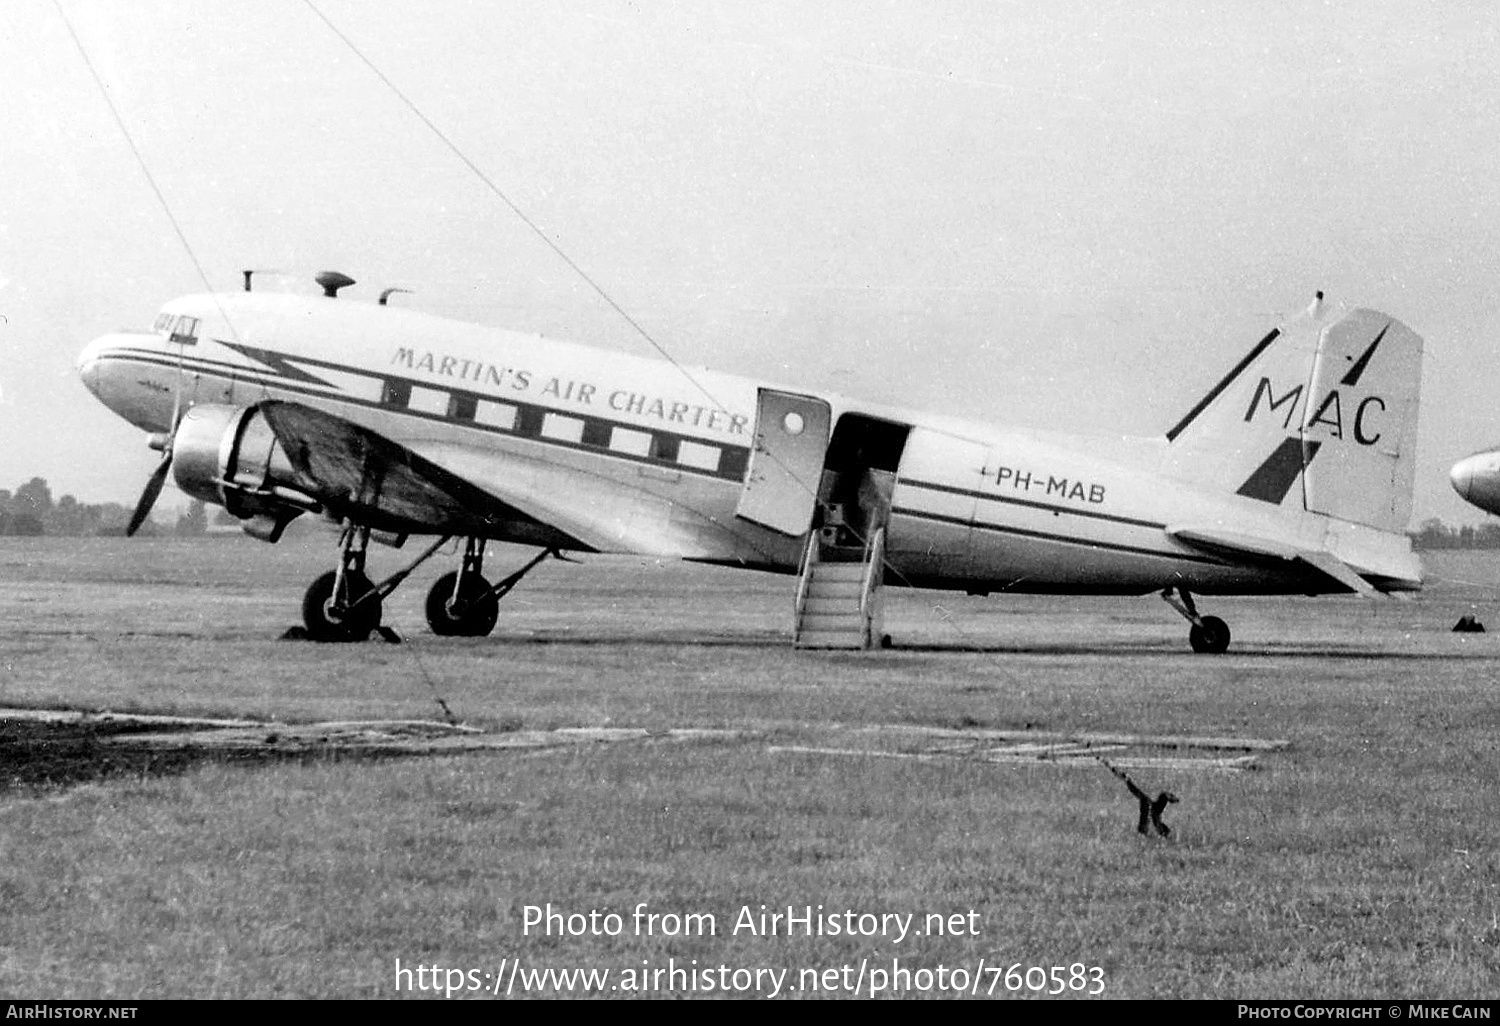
pixel 1362 419
pixel 1319 416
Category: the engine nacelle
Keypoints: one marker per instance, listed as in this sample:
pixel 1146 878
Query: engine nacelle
pixel 230 456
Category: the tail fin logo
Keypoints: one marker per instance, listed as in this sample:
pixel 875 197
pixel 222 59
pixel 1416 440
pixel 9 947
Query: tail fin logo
pixel 1329 415
pixel 1273 479
pixel 1272 402
pixel 1352 378
pixel 1330 412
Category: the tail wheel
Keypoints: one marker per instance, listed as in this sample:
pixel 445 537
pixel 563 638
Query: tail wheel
pixel 471 615
pixel 328 620
pixel 1209 635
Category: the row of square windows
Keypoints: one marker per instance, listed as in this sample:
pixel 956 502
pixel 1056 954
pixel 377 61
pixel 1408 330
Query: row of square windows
pixel 538 423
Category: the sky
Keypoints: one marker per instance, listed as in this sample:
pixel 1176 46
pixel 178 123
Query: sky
pixel 1071 215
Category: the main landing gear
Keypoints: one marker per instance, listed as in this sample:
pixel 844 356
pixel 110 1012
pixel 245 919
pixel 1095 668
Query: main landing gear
pixel 1208 633
pixel 343 604
pixel 462 603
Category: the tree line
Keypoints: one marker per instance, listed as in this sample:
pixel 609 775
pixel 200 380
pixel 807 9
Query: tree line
pixel 1434 534
pixel 30 511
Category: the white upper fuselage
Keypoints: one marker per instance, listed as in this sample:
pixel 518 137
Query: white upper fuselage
pixel 629 454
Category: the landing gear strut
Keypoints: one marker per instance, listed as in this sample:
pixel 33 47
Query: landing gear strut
pixel 1208 633
pixel 462 603
pixel 343 605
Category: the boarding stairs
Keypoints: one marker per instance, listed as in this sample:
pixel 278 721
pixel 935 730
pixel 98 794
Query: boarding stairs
pixel 839 593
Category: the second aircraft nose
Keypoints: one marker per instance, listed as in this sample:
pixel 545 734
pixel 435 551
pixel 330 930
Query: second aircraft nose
pixel 1462 475
pixel 1477 479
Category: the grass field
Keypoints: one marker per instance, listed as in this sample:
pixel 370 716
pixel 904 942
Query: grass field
pixel 1362 861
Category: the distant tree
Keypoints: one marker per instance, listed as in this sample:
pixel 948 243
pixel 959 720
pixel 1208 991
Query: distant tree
pixel 112 518
pixel 67 517
pixel 1433 534
pixel 26 525
pixel 33 497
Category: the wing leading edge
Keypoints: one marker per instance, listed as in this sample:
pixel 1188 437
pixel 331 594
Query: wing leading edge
pixel 357 473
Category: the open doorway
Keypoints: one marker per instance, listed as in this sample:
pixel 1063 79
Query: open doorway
pixel 859 478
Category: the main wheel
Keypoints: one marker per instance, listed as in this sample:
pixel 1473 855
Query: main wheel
pixel 472 615
pixel 328 621
pixel 1212 636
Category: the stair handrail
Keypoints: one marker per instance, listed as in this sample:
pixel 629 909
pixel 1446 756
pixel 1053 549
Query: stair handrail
pixel 804 571
pixel 874 575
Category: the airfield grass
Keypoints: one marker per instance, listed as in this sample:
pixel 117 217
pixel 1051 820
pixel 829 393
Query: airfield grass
pixel 1363 861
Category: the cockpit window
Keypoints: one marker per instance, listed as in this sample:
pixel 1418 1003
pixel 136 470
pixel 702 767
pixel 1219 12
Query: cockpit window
pixel 185 331
pixel 178 328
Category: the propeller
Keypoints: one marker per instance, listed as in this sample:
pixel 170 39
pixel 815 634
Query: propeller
pixel 163 442
pixel 152 491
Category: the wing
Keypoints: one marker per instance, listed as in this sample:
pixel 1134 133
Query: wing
pixel 353 472
pixel 607 513
pixel 273 459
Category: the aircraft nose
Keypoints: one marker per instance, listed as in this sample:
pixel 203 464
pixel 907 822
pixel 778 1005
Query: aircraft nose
pixel 88 362
pixel 1477 479
pixel 1462 476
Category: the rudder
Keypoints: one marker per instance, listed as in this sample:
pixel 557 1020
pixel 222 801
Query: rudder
pixel 1327 401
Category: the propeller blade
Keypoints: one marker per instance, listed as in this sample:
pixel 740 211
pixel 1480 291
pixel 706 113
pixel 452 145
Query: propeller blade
pixel 148 497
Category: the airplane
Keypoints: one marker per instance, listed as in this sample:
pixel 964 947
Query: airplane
pixel 1477 479
pixel 1292 475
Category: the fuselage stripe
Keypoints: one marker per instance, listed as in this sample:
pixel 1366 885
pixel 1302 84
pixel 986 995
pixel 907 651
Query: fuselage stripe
pixel 1044 536
pixel 1050 508
pixel 529 422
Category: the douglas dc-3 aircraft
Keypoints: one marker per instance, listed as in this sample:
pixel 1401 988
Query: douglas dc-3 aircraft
pixel 1291 475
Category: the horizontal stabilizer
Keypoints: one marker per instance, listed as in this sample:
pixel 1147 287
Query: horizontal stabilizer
pixel 1257 548
pixel 1340 571
pixel 1233 542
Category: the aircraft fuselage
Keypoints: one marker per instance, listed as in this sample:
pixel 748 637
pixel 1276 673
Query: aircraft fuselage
pixel 634 455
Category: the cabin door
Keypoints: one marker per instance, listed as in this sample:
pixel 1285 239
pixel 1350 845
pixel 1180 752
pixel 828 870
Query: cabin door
pixel 786 464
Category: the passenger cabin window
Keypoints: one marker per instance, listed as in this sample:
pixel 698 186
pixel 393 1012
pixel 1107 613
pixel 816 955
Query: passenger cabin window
pixel 564 429
pixel 500 415
pixel 636 443
pixel 703 457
